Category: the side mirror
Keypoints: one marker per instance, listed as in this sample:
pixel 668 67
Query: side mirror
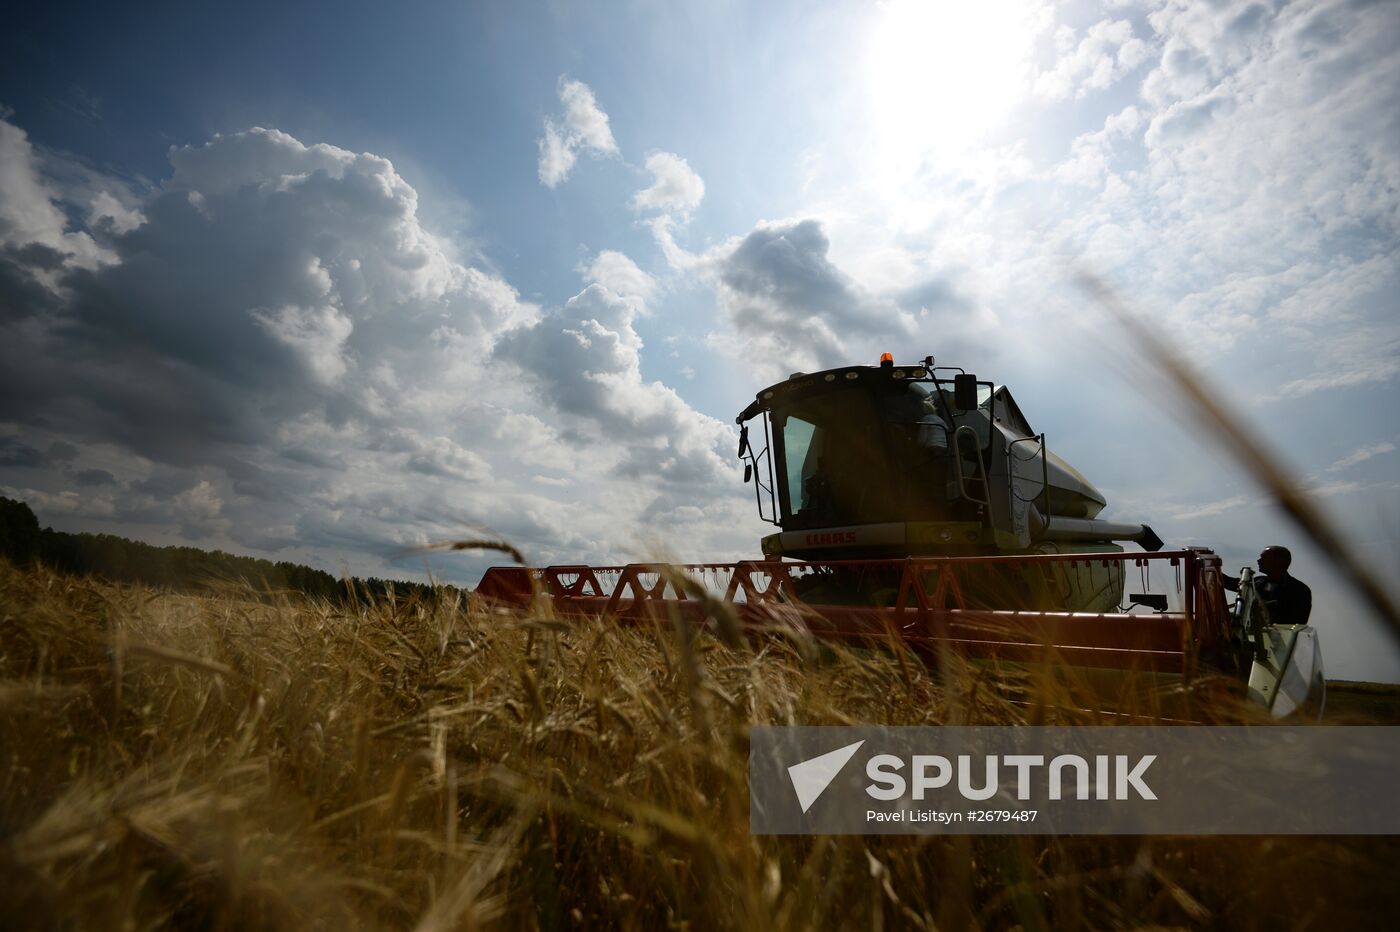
pixel 965 391
pixel 748 471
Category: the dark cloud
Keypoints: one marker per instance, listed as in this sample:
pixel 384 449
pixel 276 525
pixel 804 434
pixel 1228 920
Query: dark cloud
pixel 165 485
pixel 37 256
pixel 61 451
pixel 94 477
pixel 787 266
pixel 318 458
pixel 17 453
pixel 783 296
pixel 22 294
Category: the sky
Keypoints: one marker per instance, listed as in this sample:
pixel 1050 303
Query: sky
pixel 329 282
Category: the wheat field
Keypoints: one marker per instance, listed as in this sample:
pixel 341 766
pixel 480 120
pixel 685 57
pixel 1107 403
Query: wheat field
pixel 247 760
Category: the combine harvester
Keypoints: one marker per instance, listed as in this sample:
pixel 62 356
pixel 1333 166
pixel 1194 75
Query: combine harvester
pixel 916 502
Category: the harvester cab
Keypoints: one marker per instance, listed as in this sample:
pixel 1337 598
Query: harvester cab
pixel 905 460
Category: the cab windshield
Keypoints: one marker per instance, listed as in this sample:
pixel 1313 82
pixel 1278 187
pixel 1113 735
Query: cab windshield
pixel 870 454
pixel 831 446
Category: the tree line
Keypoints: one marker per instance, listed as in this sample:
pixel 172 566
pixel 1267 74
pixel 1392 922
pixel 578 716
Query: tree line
pixel 117 559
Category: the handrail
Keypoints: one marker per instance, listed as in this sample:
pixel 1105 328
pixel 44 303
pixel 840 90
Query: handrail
pixel 1044 469
pixel 981 466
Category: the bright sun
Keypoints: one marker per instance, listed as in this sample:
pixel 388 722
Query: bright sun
pixel 942 73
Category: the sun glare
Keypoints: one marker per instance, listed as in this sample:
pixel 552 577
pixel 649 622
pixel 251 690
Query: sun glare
pixel 941 74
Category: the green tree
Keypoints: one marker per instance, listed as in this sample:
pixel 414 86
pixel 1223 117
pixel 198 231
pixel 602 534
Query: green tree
pixel 19 532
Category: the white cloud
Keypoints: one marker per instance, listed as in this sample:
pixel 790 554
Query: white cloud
pixel 675 186
pixel 1250 194
pixel 585 120
pixel 1362 454
pixel 583 128
pixel 1381 370
pixel 1108 51
pixel 1093 155
pixel 557 157
pixel 67 502
pixel 442 456
pixel 106 207
pixel 27 211
pixel 1207 509
pixel 29 216
pixel 317 334
pixel 587 359
pixel 281 357
pixel 620 275
pixel 1332 489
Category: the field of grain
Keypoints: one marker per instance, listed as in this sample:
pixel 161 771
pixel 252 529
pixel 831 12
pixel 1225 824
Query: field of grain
pixel 231 762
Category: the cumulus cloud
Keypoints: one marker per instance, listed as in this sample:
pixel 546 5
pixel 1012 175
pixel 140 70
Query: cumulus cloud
pixel 557 156
pixel 29 217
pixel 1252 189
pixel 442 456
pixel 1094 155
pixel 585 120
pixel 582 128
pixel 316 334
pixel 675 186
pixel 620 275
pixel 264 266
pixel 1108 51
pixel 107 209
pixel 788 306
pixel 27 211
pixel 587 359
pixel 276 354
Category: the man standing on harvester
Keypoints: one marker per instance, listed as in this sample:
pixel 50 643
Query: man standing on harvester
pixel 1287 601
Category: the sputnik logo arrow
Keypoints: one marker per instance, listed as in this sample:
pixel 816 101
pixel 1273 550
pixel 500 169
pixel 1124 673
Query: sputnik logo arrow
pixel 811 777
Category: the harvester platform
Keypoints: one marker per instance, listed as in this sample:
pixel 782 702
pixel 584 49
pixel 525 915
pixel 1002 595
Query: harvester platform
pixel 978 606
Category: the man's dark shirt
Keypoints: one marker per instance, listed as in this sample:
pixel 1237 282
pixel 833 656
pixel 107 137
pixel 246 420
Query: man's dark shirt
pixel 1288 601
